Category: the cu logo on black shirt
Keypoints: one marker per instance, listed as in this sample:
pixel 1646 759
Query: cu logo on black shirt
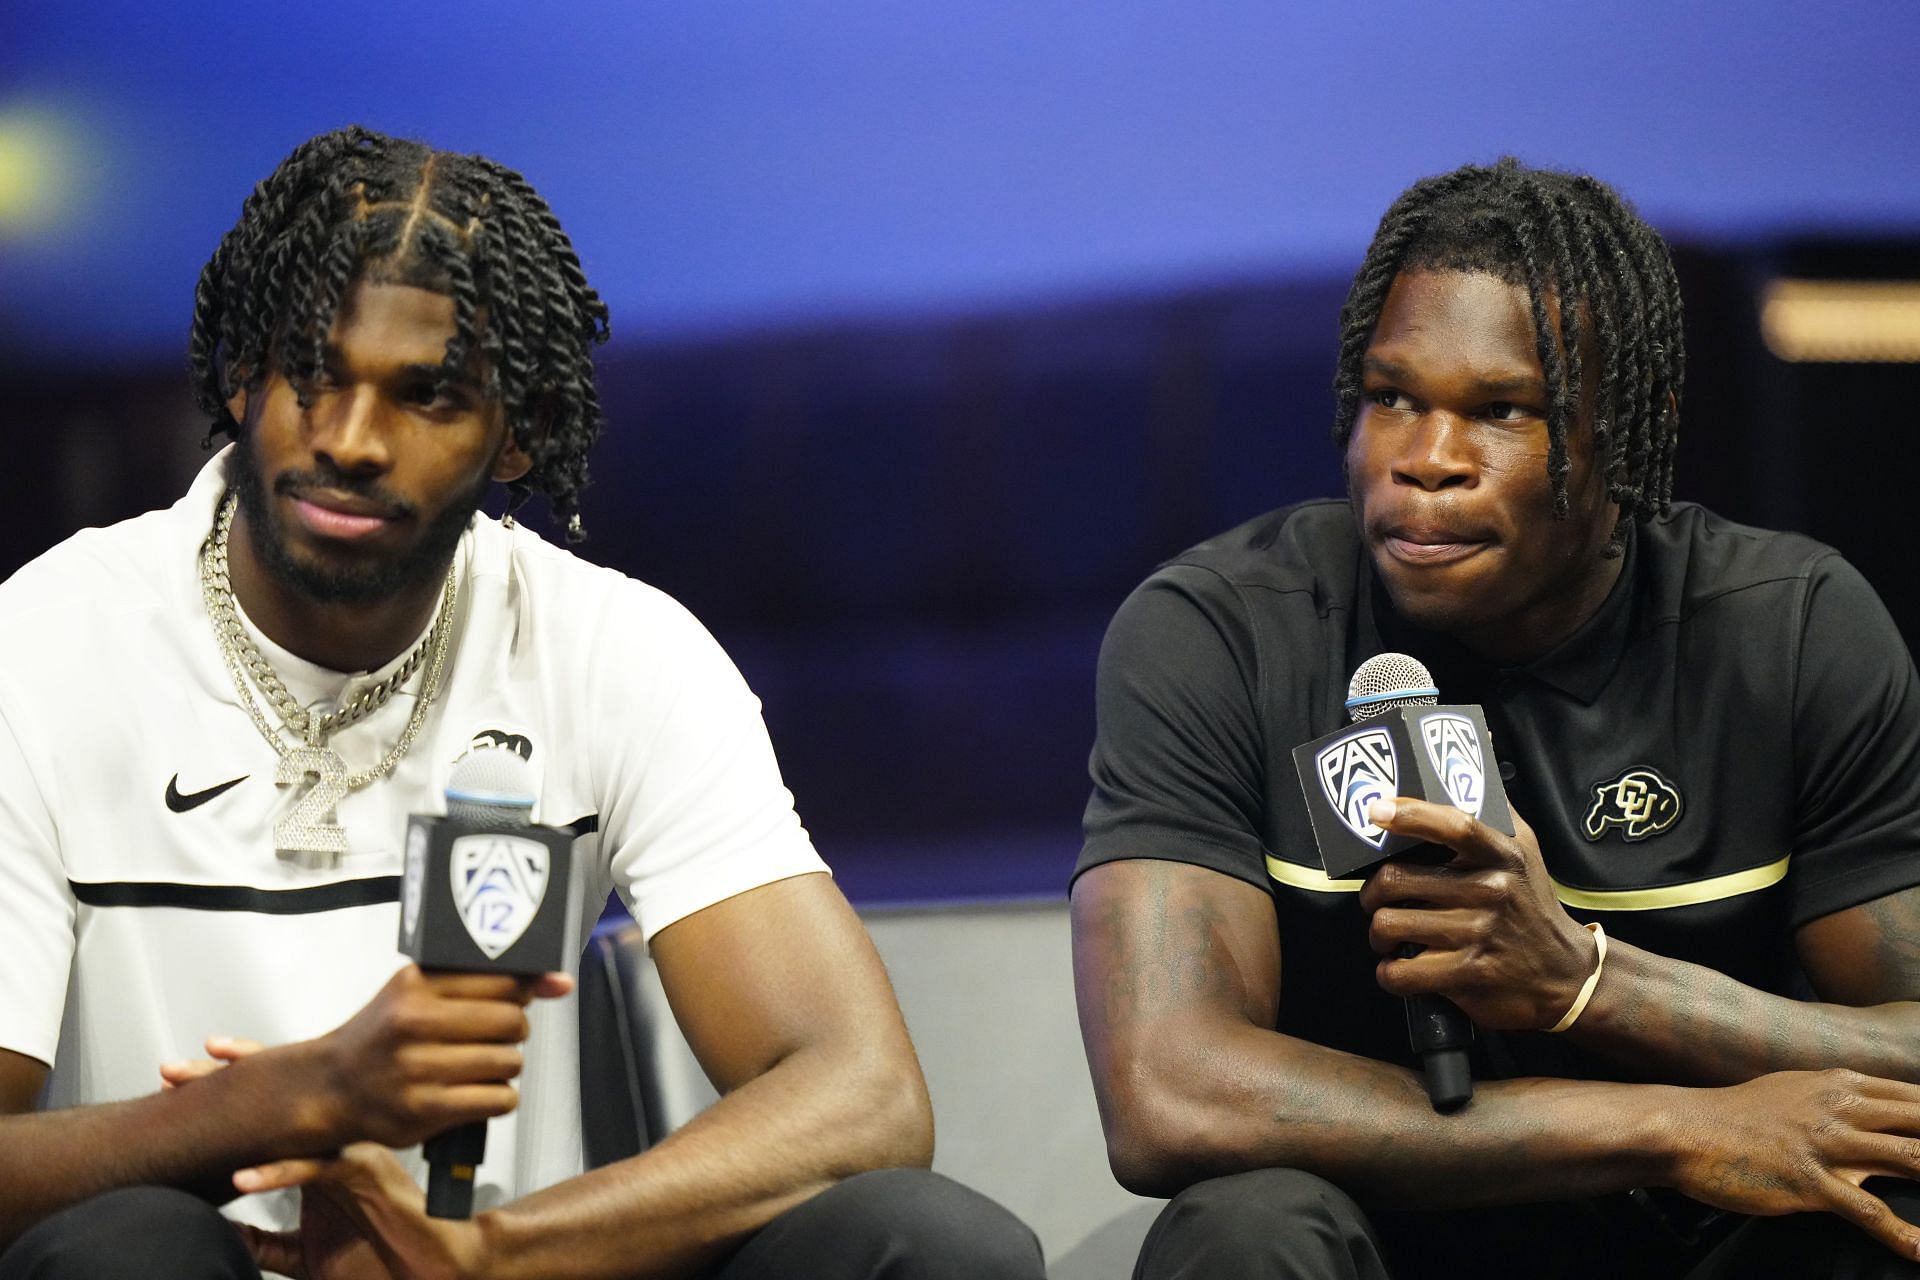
pixel 1639 801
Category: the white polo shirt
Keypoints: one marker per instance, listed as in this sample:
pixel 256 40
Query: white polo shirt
pixel 140 914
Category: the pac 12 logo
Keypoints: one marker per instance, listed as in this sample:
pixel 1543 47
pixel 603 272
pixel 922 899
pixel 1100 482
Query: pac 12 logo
pixel 1453 748
pixel 1354 772
pixel 499 881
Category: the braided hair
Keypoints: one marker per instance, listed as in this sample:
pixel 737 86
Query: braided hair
pixel 1561 235
pixel 357 205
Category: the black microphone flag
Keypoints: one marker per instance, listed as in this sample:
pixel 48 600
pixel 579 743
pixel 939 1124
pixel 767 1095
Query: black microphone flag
pixel 485 891
pixel 1434 752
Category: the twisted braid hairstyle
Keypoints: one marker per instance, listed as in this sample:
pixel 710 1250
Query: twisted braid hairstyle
pixel 357 205
pixel 1563 236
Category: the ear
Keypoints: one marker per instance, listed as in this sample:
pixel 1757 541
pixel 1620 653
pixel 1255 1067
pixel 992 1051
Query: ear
pixel 511 462
pixel 237 405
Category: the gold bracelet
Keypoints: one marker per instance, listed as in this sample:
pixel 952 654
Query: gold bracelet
pixel 1593 980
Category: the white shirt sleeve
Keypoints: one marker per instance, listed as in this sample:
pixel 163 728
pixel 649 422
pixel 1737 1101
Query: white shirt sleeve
pixel 693 807
pixel 36 909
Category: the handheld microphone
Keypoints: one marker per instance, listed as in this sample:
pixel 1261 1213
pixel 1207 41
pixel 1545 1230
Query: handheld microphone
pixel 478 895
pixel 1447 750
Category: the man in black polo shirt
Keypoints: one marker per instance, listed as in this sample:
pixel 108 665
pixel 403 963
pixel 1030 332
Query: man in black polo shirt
pixel 1714 732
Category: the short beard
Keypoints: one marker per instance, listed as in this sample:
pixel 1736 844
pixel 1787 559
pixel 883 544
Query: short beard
pixel 424 564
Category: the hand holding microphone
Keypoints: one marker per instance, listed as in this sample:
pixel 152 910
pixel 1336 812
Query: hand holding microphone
pixel 485 892
pixel 490 910
pixel 1401 742
pixel 429 1052
pixel 1469 911
pixel 1462 906
pixel 1490 933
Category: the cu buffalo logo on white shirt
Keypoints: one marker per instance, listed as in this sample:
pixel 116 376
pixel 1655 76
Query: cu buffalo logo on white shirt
pixel 1640 802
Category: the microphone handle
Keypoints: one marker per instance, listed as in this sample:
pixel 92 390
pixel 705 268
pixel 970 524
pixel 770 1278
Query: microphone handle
pixel 1439 1034
pixel 452 1158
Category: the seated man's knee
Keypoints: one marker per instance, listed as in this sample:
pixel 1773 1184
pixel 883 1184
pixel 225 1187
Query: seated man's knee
pixel 1267 1223
pixel 938 1228
pixel 150 1232
pixel 901 1224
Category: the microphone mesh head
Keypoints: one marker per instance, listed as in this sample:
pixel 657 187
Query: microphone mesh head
pixel 1387 681
pixel 491 786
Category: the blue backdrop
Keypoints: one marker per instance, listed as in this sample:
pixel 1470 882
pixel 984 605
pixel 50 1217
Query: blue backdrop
pixel 735 165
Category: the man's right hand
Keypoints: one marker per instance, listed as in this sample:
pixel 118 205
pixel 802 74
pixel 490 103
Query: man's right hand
pixel 1804 1141
pixel 429 1052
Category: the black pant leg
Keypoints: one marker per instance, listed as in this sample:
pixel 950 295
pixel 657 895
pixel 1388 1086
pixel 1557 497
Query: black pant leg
pixel 1815 1246
pixel 891 1224
pixel 1283 1223
pixel 1271 1224
pixel 140 1233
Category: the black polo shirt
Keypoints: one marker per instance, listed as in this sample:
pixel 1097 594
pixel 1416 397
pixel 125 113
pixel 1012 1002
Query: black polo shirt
pixel 1727 749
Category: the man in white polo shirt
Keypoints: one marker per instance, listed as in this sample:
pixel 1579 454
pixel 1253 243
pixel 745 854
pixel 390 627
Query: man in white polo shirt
pixel 215 719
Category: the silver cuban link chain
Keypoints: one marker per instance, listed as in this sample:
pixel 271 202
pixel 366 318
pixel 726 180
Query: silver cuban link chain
pixel 308 834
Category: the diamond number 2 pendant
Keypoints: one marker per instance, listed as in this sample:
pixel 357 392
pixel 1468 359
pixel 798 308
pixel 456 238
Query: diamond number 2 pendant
pixel 308 834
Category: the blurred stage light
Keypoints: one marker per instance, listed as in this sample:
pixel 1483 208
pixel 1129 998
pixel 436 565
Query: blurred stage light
pixel 38 190
pixel 1842 321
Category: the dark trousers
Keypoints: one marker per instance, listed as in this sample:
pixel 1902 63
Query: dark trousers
pixel 154 1232
pixel 1281 1224
pixel 893 1224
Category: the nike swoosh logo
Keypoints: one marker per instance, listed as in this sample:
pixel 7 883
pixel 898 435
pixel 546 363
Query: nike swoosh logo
pixel 180 804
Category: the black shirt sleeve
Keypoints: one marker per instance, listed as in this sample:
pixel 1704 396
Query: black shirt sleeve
pixel 1856 750
pixel 1177 759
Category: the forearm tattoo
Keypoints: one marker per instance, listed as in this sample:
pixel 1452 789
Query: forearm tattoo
pixel 1730 1177
pixel 1896 922
pixel 1168 964
pixel 1690 1024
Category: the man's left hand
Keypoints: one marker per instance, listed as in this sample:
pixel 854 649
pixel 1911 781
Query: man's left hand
pixel 326 1246
pixel 1496 940
pixel 361 1218
pixel 221 1050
